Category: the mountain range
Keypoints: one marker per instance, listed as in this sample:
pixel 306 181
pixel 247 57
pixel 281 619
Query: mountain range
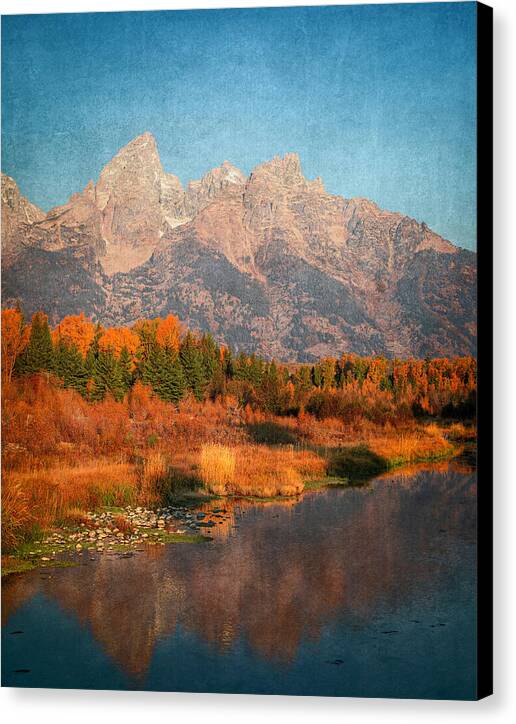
pixel 269 263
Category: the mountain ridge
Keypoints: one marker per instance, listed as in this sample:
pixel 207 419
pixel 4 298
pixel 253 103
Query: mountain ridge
pixel 270 262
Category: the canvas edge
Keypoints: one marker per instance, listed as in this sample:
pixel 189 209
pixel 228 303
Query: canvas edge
pixel 485 350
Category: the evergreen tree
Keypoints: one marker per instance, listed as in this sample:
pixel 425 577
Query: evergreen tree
pixel 228 364
pixel 328 372
pixel 192 363
pixel 107 377
pixel 125 362
pixel 249 369
pixel 339 375
pixel 270 389
pixel 210 357
pixel 93 352
pixel 69 365
pixel 39 353
pixel 303 379
pixel 171 382
pixel 317 377
pixel 149 367
pixel 256 370
pixel 213 366
pixel 163 372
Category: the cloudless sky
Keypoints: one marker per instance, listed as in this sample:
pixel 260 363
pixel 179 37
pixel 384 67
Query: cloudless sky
pixel 378 100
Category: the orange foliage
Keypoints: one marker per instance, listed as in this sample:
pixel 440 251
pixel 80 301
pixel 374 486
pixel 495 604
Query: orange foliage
pixel 15 337
pixel 116 338
pixel 61 452
pixel 168 333
pixel 77 330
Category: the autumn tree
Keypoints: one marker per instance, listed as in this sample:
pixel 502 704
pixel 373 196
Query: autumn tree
pixel 15 337
pixel 118 338
pixel 146 330
pixel 75 330
pixel 168 333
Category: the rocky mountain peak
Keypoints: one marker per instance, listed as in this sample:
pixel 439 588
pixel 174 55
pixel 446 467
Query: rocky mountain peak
pixel 138 202
pixel 145 143
pixel 17 215
pixel 12 199
pixel 271 263
pixel 221 180
pixel 136 168
pixel 285 171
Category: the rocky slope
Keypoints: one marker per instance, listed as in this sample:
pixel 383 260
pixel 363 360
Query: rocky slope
pixel 270 263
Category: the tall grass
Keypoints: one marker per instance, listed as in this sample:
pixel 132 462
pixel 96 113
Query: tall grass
pixel 256 470
pixel 410 447
pixel 154 470
pixel 17 517
pixel 44 497
pixel 217 466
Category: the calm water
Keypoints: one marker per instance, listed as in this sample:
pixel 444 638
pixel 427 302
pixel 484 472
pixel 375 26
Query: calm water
pixel 359 592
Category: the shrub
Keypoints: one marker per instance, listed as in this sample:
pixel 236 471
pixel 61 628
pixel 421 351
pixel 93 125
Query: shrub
pixel 356 463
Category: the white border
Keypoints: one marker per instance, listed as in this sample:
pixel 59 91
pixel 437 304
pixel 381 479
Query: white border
pixel 81 707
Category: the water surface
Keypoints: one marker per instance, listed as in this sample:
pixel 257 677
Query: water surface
pixel 344 592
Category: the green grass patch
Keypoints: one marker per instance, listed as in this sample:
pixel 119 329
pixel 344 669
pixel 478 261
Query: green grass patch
pixel 22 565
pixel 328 482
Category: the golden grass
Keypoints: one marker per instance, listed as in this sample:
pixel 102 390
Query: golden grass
pixel 17 517
pixel 154 469
pixel 258 470
pixel 217 466
pixel 410 447
pixel 459 431
pixel 44 497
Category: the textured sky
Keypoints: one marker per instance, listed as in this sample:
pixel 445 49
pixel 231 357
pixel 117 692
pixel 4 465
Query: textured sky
pixel 378 100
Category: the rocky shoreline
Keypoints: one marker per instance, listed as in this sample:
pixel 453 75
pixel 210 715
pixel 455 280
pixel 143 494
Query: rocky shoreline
pixel 116 530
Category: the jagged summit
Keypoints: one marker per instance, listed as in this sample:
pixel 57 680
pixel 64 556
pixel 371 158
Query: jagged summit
pixel 145 140
pixel 285 170
pixel 18 214
pixel 270 263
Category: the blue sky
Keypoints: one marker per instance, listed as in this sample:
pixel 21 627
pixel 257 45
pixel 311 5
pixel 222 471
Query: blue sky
pixel 378 100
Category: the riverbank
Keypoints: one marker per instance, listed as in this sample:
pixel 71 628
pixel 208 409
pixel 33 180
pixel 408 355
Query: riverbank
pixel 181 511
pixel 115 530
pixel 58 491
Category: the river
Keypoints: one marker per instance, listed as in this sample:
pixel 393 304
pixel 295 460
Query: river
pixel 344 592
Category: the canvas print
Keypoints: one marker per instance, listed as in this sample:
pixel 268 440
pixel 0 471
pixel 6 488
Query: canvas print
pixel 239 350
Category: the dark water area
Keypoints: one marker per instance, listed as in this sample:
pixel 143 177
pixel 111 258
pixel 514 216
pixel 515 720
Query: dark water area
pixel 346 592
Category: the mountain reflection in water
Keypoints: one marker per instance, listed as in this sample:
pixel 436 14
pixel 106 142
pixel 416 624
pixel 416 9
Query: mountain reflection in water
pixel 365 592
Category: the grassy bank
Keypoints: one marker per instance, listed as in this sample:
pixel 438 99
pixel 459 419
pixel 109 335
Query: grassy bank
pixel 62 456
pixel 56 495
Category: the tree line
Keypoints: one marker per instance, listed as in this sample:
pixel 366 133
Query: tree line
pixel 164 355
